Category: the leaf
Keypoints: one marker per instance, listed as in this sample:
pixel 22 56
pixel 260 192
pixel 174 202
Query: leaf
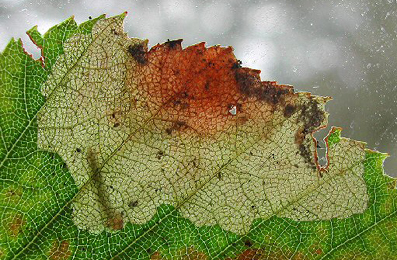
pixel 113 151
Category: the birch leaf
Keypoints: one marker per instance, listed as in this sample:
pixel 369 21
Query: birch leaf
pixel 111 150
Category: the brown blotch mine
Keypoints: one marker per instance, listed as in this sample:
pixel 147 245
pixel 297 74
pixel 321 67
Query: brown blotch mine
pixel 16 224
pixel 197 86
pixel 60 250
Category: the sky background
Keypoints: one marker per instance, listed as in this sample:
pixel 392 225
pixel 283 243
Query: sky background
pixel 343 49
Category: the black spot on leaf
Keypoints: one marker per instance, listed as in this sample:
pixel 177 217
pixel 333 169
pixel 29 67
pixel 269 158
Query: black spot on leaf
pixel 289 110
pixel 173 44
pixel 138 53
pixel 133 204
pixel 247 243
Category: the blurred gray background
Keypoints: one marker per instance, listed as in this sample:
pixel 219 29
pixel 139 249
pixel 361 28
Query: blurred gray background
pixel 343 49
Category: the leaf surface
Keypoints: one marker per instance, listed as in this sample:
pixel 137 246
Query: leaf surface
pixel 113 151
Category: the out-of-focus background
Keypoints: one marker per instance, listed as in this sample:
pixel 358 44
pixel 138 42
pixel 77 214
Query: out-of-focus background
pixel 343 49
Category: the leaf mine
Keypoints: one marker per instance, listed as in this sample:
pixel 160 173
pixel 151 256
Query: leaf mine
pixel 192 128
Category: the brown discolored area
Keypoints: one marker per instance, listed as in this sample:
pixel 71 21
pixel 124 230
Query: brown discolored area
pixel 252 254
pixel 115 222
pixel 138 52
pixel 155 256
pixel 60 250
pixel 193 89
pixel 276 254
pixel 16 224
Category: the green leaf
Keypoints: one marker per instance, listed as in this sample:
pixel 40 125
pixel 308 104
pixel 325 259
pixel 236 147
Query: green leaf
pixel 112 151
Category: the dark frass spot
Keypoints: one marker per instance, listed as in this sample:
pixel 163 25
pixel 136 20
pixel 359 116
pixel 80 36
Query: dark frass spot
pixel 289 110
pixel 249 84
pixel 312 116
pixel 248 243
pixel 138 53
pixel 173 44
pixel 160 154
pixel 176 126
pixel 237 64
pixel 207 86
pixel 133 204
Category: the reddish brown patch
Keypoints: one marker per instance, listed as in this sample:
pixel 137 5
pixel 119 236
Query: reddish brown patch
pixel 60 250
pixel 155 256
pixel 319 251
pixel 117 222
pixel 15 226
pixel 257 254
pixel 252 254
pixel 193 89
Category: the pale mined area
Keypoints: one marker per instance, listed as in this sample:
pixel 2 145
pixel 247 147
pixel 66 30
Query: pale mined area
pixel 126 166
